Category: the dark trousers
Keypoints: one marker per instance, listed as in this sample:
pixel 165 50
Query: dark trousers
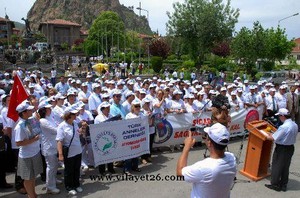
pixel 131 164
pixel 110 168
pixel 151 140
pixel 72 172
pixel 53 81
pixel 282 157
pixel 2 168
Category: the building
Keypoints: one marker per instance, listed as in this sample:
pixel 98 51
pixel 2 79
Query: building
pixel 6 29
pixel 296 50
pixel 60 32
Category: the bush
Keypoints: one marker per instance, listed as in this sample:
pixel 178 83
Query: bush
pixel 188 65
pixel 156 63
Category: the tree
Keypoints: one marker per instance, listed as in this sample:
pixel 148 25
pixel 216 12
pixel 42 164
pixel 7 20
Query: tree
pixel 202 24
pixel 260 45
pixel 106 32
pixel 159 47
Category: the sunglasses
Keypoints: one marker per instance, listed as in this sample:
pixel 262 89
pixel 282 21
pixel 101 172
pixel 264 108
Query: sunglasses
pixel 118 96
pixel 137 106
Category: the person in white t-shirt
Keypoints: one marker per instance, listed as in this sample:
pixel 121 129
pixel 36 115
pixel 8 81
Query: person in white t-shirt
pixel 213 176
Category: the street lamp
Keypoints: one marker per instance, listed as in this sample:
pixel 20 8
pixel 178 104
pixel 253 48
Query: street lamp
pixel 287 17
pixel 140 9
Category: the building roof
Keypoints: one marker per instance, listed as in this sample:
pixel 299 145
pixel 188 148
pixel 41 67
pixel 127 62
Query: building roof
pixel 61 22
pixel 296 49
pixel 4 19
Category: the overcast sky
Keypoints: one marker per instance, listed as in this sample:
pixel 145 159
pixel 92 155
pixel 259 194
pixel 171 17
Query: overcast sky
pixel 267 12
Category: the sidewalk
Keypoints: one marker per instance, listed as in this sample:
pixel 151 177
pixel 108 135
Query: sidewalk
pixel 164 163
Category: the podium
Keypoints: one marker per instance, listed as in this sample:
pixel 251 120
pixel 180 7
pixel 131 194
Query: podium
pixel 258 150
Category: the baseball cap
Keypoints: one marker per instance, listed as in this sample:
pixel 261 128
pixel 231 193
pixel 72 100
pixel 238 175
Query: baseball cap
pixel 104 104
pixel 218 133
pixel 136 102
pixel 24 106
pixel 283 111
pixel 71 109
pixel 59 96
pixel 44 104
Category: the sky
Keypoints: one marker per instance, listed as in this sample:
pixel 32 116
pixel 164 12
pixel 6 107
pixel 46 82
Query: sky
pixel 267 12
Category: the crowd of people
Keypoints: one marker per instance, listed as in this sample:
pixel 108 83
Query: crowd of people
pixel 64 111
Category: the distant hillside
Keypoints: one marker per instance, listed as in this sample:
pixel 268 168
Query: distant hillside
pixel 84 12
pixel 19 26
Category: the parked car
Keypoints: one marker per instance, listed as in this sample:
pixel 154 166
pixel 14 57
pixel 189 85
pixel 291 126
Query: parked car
pixel 41 46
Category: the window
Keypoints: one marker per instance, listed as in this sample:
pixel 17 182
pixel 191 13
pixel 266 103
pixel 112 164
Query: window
pixel 298 57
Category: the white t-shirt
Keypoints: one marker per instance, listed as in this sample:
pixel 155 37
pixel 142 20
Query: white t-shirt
pixel 65 133
pixel 211 177
pixel 23 133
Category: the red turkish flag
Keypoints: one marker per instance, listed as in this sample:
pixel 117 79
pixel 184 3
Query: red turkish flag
pixel 18 95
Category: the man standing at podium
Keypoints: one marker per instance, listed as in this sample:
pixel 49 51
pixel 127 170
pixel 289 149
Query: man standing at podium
pixel 284 138
pixel 213 176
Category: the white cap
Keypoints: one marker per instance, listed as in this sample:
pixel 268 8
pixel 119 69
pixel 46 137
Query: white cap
pixel 136 102
pixel 44 104
pixel 129 93
pixel 95 85
pixel 116 92
pixel 145 100
pixel 70 92
pixel 59 96
pixel 104 105
pixel 78 81
pixel 71 109
pixel 105 95
pixel 205 83
pixel 246 81
pixel 24 106
pixel 233 93
pixel 272 89
pixel 177 92
pixel 218 133
pixel 201 93
pixel 283 111
pixel 85 84
pixel 223 89
pixel 195 81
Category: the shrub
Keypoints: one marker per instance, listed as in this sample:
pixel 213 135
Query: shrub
pixel 156 63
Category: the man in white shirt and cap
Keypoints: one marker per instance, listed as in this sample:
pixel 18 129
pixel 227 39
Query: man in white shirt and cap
pixel 213 176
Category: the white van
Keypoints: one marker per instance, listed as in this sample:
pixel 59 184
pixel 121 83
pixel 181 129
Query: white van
pixel 41 46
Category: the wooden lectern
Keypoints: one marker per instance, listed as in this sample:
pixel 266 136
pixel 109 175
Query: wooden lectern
pixel 258 150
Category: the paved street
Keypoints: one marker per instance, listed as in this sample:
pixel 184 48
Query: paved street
pixel 164 163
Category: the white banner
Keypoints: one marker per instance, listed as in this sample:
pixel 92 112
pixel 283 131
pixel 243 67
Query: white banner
pixel 174 128
pixel 119 140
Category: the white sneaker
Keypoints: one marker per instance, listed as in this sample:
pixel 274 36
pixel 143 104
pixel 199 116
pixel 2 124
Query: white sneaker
pixel 58 181
pixel 53 191
pixel 72 192
pixel 79 189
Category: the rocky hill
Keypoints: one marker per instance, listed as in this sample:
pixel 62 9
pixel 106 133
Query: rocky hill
pixel 84 12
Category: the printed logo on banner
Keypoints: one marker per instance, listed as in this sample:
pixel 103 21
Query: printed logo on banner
pixel 164 131
pixel 105 143
pixel 251 116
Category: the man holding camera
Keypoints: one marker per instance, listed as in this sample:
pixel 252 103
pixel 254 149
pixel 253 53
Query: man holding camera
pixel 213 176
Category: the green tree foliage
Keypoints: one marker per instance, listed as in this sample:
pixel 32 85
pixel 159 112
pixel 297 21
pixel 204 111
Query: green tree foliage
pixel 159 47
pixel 202 24
pixel 156 62
pixel 107 31
pixel 259 44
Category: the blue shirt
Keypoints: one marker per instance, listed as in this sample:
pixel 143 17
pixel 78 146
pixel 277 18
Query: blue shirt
pixel 286 134
pixel 116 109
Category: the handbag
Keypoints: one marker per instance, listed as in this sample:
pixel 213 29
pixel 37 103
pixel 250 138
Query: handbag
pixel 65 149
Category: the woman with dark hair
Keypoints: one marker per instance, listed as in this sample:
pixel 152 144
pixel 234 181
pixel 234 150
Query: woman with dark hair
pixel 48 146
pixel 68 136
